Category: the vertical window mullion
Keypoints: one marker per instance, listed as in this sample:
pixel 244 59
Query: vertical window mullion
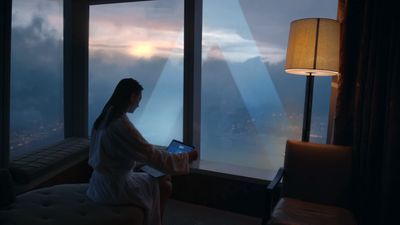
pixel 76 40
pixel 5 46
pixel 192 72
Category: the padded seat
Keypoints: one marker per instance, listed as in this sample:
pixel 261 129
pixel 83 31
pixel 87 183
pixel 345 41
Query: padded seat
pixel 66 204
pixel 294 211
pixel 48 161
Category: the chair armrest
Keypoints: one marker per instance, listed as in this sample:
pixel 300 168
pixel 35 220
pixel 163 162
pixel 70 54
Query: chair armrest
pixel 269 197
pixel 274 183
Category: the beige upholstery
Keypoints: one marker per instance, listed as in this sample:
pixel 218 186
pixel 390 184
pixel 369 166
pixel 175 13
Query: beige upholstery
pixel 317 172
pixel 49 160
pixel 315 186
pixel 66 204
pixel 294 211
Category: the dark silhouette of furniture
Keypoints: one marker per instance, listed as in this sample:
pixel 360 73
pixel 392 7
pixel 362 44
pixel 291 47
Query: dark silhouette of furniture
pixel 66 204
pixel 315 186
pixel 36 204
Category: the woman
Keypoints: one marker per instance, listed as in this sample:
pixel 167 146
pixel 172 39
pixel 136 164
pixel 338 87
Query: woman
pixel 115 150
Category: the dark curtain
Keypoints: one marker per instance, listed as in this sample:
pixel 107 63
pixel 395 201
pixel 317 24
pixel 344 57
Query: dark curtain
pixel 368 106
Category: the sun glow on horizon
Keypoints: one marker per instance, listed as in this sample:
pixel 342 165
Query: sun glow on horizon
pixel 142 50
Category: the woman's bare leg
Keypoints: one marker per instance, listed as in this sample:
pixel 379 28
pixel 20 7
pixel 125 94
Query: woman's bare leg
pixel 165 185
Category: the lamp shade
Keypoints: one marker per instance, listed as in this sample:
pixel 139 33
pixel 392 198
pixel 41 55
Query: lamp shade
pixel 313 47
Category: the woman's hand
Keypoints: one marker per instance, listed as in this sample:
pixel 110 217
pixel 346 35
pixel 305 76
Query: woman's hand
pixel 193 155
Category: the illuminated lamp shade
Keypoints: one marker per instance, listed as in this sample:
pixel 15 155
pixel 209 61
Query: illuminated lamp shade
pixel 313 50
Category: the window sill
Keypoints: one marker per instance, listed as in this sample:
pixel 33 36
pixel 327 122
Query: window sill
pixel 235 172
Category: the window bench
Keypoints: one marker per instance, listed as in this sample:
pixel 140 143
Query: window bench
pixel 66 204
pixel 63 203
pixel 32 169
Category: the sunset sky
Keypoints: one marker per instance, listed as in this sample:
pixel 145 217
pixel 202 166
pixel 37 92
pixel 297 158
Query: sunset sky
pixel 155 28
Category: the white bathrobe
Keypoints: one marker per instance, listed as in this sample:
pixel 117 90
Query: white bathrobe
pixel 114 153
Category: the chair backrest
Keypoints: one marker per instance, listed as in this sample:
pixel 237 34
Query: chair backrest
pixel 317 172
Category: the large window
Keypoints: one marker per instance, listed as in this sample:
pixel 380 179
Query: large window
pixel 250 106
pixel 36 114
pixel 144 41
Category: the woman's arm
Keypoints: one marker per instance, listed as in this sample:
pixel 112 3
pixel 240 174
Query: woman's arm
pixel 137 148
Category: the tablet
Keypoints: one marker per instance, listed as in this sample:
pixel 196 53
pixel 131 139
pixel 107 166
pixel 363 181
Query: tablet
pixel 175 147
pixel 152 172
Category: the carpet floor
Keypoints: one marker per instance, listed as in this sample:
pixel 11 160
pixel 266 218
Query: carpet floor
pixel 182 213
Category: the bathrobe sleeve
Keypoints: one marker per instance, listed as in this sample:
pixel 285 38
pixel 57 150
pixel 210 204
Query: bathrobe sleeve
pixel 134 146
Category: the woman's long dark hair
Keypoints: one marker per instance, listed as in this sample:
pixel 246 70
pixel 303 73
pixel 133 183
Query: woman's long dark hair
pixel 119 101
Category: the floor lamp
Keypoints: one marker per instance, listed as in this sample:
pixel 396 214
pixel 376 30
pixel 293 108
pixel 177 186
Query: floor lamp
pixel 313 50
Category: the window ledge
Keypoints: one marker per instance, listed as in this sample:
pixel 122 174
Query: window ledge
pixel 229 171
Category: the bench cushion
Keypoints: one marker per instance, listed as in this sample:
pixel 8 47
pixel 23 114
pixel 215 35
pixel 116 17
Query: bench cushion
pixel 293 211
pixel 66 204
pixel 48 161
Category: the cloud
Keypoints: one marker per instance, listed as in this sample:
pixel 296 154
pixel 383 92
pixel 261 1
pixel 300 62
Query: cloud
pixel 105 71
pixel 270 20
pixel 156 25
pixel 36 76
pixel 164 15
pixel 236 48
pixel 246 29
pixel 51 11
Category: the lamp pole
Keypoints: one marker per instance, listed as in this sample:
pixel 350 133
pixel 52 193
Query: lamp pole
pixel 308 108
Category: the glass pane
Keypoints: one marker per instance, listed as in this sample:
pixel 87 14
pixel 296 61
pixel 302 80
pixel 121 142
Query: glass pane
pixel 144 41
pixel 320 113
pixel 250 106
pixel 37 112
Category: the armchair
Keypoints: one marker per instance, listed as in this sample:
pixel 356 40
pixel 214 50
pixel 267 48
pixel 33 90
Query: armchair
pixel 315 186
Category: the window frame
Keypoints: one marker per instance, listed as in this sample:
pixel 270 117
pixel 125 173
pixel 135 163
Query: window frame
pixel 192 71
pixel 76 41
pixel 5 57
